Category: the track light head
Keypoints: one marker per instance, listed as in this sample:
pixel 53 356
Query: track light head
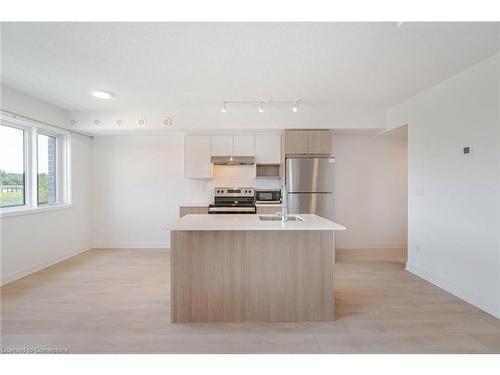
pixel 293 103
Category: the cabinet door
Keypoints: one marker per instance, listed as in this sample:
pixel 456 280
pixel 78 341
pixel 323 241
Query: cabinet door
pixel 296 142
pixel 319 142
pixel 268 149
pixel 263 210
pixel 222 145
pixel 197 156
pixel 244 145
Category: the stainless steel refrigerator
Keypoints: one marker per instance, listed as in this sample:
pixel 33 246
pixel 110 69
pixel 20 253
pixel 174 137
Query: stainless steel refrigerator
pixel 310 186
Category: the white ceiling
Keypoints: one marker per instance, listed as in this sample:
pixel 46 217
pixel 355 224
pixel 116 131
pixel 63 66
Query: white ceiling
pixel 189 66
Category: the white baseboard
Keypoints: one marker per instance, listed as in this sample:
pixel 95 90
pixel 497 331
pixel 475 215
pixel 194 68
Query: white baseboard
pixel 38 267
pixel 370 248
pixel 391 247
pixel 452 288
pixel 124 245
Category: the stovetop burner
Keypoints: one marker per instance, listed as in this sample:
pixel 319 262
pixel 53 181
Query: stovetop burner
pixel 233 204
pixel 233 201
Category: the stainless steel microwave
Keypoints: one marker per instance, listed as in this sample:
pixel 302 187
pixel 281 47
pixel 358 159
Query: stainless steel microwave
pixel 268 196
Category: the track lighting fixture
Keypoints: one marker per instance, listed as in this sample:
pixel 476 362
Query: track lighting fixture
pixel 294 103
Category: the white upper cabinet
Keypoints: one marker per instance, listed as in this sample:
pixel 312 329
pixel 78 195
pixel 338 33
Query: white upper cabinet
pixel 199 148
pixel 233 145
pixel 222 145
pixel 244 145
pixel 197 156
pixel 268 149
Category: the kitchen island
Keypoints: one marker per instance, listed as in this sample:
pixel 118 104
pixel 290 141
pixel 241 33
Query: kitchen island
pixel 233 268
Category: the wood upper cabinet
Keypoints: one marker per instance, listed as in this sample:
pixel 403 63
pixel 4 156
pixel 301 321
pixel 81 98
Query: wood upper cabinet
pixel 197 156
pixel 307 142
pixel 243 145
pixel 296 142
pixel 268 149
pixel 319 142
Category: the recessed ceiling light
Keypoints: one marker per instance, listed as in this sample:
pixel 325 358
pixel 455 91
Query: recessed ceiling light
pixel 102 94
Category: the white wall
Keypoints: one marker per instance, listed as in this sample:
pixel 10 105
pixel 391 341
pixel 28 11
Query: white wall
pixel 209 116
pixel 31 242
pixel 139 184
pixel 371 190
pixel 454 200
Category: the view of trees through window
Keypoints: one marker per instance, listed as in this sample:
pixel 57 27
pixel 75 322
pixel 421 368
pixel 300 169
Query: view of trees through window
pixel 12 181
pixel 46 169
pixel 12 173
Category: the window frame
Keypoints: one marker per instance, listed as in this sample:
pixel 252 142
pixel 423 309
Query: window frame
pixel 26 164
pixel 63 171
pixel 58 200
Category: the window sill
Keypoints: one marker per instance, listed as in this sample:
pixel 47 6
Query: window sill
pixel 31 211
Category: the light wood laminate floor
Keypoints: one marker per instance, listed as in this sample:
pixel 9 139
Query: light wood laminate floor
pixel 117 301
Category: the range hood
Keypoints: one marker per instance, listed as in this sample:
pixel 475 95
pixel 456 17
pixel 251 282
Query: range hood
pixel 232 160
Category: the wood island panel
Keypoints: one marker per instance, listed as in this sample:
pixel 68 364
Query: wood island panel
pixel 257 276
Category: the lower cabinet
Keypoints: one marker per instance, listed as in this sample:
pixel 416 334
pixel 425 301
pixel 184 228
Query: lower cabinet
pixel 187 210
pixel 266 210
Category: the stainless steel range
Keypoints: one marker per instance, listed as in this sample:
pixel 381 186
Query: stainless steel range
pixel 233 201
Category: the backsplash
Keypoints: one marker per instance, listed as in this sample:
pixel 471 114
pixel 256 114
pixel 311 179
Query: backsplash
pixel 238 176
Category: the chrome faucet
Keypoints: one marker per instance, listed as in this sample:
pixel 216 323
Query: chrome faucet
pixel 284 203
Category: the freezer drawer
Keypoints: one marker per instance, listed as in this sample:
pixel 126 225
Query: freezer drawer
pixel 305 175
pixel 321 204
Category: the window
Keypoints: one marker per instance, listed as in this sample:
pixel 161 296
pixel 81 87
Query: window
pixel 34 165
pixel 12 174
pixel 46 169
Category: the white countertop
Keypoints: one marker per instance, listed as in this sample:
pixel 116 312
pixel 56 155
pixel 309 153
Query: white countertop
pixel 250 222
pixel 268 204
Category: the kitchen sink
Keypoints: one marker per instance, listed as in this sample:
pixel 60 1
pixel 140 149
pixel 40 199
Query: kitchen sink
pixel 278 218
